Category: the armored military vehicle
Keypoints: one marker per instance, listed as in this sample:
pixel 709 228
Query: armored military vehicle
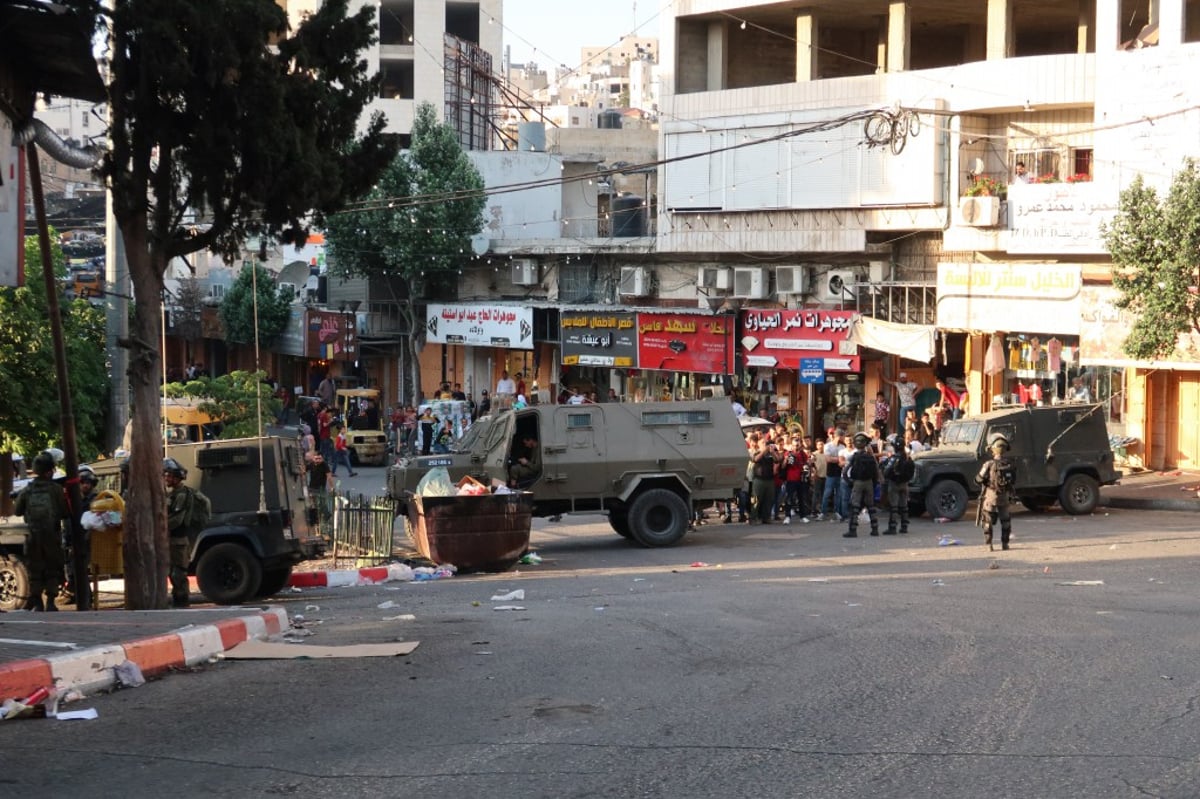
pixel 244 552
pixel 644 464
pixel 1061 454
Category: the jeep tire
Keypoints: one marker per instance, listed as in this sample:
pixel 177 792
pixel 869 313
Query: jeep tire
pixel 273 581
pixel 14 582
pixel 229 574
pixel 946 499
pixel 1079 494
pixel 659 518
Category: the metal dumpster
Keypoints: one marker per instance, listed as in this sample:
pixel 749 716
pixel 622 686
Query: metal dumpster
pixel 486 533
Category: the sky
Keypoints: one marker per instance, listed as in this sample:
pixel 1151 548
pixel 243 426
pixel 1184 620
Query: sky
pixel 551 32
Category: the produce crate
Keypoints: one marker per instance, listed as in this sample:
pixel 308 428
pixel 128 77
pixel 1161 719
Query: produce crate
pixel 475 533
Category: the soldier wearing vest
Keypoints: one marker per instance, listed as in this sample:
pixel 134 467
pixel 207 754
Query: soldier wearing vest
pixel 996 477
pixel 862 471
pixel 44 506
pixel 179 514
pixel 897 471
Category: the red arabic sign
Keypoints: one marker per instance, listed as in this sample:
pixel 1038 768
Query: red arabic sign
pixel 780 338
pixel 331 336
pixel 685 342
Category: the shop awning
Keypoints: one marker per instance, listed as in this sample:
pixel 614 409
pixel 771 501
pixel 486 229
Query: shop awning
pixel 914 342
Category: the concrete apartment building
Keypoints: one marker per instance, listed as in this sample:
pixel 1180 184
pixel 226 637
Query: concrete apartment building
pixel 824 159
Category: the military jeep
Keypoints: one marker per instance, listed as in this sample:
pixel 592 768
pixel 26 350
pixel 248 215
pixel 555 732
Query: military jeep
pixel 646 465
pixel 1061 454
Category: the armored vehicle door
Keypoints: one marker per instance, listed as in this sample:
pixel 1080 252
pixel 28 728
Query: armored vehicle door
pixel 574 453
pixel 493 450
pixel 1018 431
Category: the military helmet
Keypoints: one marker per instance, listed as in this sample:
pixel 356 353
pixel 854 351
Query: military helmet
pixel 172 467
pixel 998 440
pixel 861 440
pixel 895 440
pixel 43 463
pixel 86 473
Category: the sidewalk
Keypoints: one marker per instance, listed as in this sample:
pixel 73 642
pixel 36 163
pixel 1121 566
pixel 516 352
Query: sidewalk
pixel 1150 490
pixel 79 651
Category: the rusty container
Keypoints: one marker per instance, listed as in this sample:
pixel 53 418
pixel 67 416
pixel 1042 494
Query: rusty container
pixel 486 533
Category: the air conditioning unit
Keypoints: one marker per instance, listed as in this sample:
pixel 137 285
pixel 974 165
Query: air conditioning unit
pixel 750 283
pixel 978 211
pixel 288 290
pixel 836 285
pixel 791 280
pixel 635 281
pixel 716 277
pixel 524 272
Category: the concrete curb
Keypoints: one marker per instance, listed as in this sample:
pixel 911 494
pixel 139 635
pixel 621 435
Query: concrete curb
pixel 1192 505
pixel 91 670
pixel 393 572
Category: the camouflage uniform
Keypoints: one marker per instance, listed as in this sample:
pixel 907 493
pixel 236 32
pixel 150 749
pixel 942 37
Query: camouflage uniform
pixel 897 473
pixel 44 507
pixel 862 491
pixel 996 477
pixel 179 512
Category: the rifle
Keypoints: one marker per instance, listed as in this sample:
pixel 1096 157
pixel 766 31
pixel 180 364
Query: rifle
pixel 979 505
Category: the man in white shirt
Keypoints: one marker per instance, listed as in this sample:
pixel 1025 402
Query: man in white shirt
pixel 738 408
pixel 505 384
pixel 907 390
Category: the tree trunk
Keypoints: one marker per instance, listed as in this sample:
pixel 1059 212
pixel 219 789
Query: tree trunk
pixel 147 555
pixel 412 344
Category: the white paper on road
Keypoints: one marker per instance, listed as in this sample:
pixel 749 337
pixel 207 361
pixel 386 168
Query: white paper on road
pixel 268 650
pixel 78 715
pixel 1084 582
pixel 508 607
pixel 519 594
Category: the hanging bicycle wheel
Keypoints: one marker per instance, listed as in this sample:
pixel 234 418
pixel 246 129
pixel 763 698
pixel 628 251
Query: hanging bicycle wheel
pixel 878 129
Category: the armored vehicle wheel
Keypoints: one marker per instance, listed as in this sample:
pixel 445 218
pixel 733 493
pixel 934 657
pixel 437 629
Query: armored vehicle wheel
pixel 619 520
pixel 1036 504
pixel 1080 494
pixel 229 574
pixel 946 499
pixel 658 518
pixel 273 581
pixel 14 583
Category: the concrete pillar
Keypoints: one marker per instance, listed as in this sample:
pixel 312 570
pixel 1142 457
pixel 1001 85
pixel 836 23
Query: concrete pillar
pixel 1085 30
pixel 806 47
pixel 1107 24
pixel 718 48
pixel 999 29
pixel 881 42
pixel 1169 14
pixel 899 36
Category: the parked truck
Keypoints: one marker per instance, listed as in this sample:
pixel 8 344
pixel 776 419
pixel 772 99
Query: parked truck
pixel 646 465
pixel 1061 454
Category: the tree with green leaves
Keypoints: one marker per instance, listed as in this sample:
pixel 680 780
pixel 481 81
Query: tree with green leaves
pixel 241 318
pixel 223 123
pixel 412 233
pixel 243 401
pixel 1155 247
pixel 29 404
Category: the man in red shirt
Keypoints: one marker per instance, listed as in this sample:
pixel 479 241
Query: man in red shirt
pixel 324 438
pixel 795 475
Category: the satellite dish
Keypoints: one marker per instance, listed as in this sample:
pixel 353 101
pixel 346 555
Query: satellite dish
pixel 480 243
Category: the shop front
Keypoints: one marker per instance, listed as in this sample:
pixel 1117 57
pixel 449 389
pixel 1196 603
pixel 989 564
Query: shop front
pixel 802 360
pixel 599 349
pixel 475 343
pixel 1024 325
pixel 331 347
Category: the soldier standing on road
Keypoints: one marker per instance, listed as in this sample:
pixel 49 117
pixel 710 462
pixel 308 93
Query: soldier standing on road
pixel 897 471
pixel 44 506
pixel 179 514
pixel 863 472
pixel 997 477
pixel 762 487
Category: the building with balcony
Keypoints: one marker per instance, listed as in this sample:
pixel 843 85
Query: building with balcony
pixel 865 157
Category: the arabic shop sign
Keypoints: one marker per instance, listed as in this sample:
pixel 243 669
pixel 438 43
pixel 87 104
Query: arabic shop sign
pixel 993 297
pixel 685 342
pixel 509 326
pixel 331 336
pixel 783 338
pixel 599 339
pixel 1057 218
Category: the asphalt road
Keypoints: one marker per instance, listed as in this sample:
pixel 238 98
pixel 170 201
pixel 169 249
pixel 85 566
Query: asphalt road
pixel 795 664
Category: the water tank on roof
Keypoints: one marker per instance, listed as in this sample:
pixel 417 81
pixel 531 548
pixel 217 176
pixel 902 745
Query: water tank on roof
pixel 531 137
pixel 609 120
pixel 628 216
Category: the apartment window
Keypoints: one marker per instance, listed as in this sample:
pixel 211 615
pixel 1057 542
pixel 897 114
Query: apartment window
pixel 1081 159
pixel 1041 165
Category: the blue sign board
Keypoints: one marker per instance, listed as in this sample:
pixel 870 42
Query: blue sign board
pixel 812 370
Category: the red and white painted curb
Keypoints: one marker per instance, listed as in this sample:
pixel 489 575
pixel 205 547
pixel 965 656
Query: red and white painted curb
pixel 391 573
pixel 90 670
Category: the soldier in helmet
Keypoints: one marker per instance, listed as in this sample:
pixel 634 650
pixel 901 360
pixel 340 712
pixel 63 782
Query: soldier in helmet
pixel 179 513
pixel 898 469
pixel 996 477
pixel 44 506
pixel 862 471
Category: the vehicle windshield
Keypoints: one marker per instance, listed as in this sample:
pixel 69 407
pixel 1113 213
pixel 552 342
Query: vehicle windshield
pixel 963 433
